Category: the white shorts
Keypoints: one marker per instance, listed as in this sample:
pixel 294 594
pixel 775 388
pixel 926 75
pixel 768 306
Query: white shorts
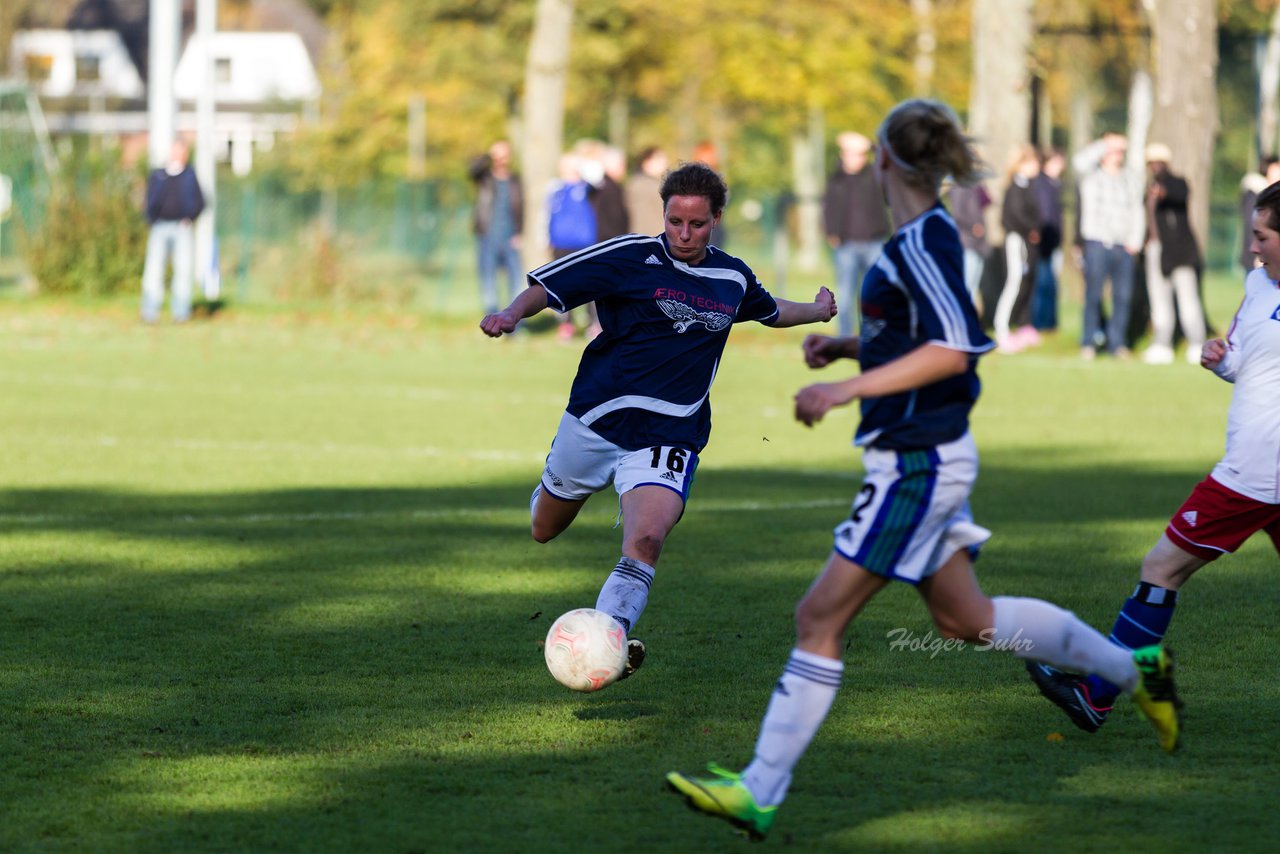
pixel 581 463
pixel 912 512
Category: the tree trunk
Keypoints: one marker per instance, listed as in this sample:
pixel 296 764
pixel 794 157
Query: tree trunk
pixel 926 47
pixel 1185 47
pixel 543 126
pixel 999 96
pixel 807 177
pixel 1268 85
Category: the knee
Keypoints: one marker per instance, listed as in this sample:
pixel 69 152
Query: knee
pixel 544 533
pixel 812 625
pixel 647 547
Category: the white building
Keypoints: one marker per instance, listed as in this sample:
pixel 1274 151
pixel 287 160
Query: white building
pixel 75 63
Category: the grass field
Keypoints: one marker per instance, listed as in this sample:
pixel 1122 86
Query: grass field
pixel 266 584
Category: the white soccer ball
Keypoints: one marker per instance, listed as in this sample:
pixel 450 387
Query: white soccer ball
pixel 586 649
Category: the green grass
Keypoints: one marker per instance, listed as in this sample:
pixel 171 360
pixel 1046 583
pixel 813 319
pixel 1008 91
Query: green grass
pixel 266 584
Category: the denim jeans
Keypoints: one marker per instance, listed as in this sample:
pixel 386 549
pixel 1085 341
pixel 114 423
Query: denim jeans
pixel 169 240
pixel 852 260
pixel 492 255
pixel 1044 300
pixel 1102 263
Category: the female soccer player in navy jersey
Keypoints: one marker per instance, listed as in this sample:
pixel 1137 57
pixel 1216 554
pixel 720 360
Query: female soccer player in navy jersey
pixel 639 411
pixel 918 350
pixel 1239 498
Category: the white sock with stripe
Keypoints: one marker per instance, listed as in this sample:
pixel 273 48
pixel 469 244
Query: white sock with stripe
pixel 1040 631
pixel 799 705
pixel 626 591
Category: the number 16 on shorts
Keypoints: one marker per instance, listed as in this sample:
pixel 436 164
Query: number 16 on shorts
pixel 661 465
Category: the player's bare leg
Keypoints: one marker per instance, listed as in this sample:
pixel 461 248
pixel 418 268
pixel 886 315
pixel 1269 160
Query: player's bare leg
pixel 833 600
pixel 551 515
pixel 1168 566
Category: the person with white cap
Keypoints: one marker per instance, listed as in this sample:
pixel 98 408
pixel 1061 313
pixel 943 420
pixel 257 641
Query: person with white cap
pixel 1172 262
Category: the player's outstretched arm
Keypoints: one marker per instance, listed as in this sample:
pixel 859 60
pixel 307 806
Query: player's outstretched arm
pixel 923 366
pixel 530 301
pixel 822 309
pixel 822 350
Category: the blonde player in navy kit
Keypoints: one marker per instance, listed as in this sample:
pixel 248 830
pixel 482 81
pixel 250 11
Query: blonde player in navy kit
pixel 639 412
pixel 918 351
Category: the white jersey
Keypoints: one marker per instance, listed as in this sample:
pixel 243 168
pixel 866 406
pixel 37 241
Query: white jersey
pixel 1251 465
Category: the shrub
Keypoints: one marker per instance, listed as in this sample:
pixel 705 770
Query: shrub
pixel 94 237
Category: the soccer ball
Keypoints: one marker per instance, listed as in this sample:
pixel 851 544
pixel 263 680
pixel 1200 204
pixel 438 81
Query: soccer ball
pixel 586 649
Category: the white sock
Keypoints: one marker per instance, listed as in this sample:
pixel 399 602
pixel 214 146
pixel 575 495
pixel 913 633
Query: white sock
pixel 626 591
pixel 1035 629
pixel 799 705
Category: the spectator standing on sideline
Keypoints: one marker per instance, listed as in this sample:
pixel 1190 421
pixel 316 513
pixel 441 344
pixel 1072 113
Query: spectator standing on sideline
pixel 1048 188
pixel 174 200
pixel 1020 218
pixel 610 205
pixel 968 205
pixel 1111 227
pixel 571 220
pixel 1172 262
pixel 498 222
pixel 1250 186
pixel 644 204
pixel 855 221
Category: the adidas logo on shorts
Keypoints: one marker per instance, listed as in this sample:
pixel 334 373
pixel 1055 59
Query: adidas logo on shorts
pixel 653 259
pixel 666 475
pixel 1190 517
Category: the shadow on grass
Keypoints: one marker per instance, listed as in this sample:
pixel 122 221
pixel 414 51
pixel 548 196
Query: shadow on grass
pixel 360 668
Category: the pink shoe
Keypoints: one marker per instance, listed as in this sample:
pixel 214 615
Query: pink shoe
pixel 566 332
pixel 1027 336
pixel 1008 344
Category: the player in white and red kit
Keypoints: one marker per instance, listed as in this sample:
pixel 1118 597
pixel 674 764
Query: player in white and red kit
pixel 1239 498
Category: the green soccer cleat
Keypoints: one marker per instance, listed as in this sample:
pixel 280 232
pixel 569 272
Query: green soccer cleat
pixel 726 796
pixel 1156 695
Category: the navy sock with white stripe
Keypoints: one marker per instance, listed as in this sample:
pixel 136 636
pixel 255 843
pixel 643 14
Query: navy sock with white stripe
pixel 1142 621
pixel 799 705
pixel 626 591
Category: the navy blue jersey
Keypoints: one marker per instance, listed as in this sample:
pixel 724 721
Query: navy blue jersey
pixel 913 295
pixel 645 380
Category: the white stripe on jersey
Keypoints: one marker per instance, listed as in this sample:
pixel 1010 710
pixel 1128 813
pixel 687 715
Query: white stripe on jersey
pixel 710 272
pixel 581 255
pixel 926 272
pixel 649 404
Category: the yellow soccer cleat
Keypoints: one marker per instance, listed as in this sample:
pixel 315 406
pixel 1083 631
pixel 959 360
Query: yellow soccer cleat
pixel 725 796
pixel 1156 695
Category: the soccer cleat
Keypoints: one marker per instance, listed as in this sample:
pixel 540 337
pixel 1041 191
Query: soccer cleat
pixel 635 657
pixel 1156 695
pixel 1069 693
pixel 724 795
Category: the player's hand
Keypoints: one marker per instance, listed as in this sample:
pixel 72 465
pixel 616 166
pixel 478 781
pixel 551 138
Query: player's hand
pixel 499 323
pixel 1212 353
pixel 820 350
pixel 826 303
pixel 814 401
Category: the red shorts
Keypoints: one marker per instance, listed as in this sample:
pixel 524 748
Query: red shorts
pixel 1215 520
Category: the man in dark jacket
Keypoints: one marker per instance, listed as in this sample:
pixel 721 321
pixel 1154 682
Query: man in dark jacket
pixel 174 200
pixel 498 222
pixel 856 223
pixel 1172 262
